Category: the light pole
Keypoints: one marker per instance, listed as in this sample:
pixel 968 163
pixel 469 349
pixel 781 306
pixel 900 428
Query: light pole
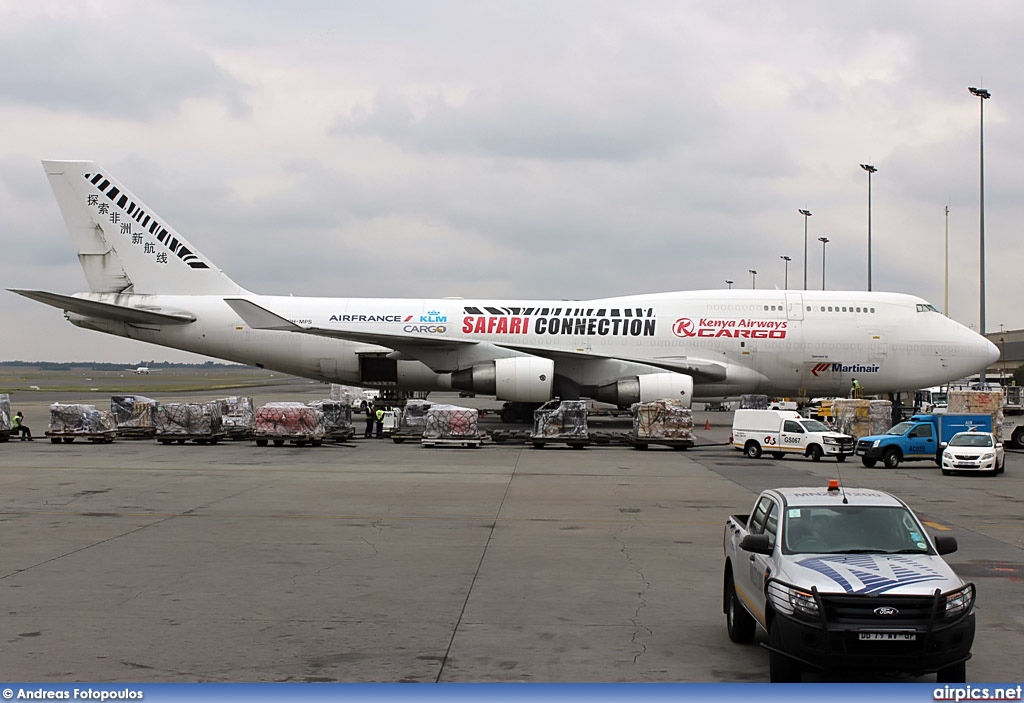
pixel 730 283
pixel 824 241
pixel 945 297
pixel 787 260
pixel 982 95
pixel 806 214
pixel 870 169
pixel 753 279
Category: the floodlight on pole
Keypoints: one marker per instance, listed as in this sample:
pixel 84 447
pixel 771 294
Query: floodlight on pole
pixel 824 241
pixel 753 279
pixel 729 283
pixel 806 214
pixel 870 169
pixel 787 260
pixel 982 96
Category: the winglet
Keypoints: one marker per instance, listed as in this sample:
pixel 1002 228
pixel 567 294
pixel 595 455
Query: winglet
pixel 259 318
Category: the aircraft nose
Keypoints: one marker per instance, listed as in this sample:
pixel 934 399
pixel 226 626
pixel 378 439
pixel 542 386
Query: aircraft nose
pixel 993 353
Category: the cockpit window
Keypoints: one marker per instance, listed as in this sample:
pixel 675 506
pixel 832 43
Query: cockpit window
pixel 926 307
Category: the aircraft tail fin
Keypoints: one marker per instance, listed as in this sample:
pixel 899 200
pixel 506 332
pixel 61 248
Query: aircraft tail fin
pixel 122 245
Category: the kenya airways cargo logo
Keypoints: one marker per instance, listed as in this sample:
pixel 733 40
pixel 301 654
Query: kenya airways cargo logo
pixel 683 327
pixel 743 327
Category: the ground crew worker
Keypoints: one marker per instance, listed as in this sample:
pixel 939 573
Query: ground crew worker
pixel 380 422
pixel 368 431
pixel 20 426
pixel 855 389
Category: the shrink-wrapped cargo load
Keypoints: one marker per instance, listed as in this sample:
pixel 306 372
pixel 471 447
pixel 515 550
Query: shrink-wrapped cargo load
pixel 753 401
pixel 337 415
pixel 237 416
pixel 71 420
pixel 184 421
pixel 979 402
pixel 666 422
pixel 663 419
pixel 451 424
pixel 412 419
pixel 5 416
pixel 852 416
pixel 289 421
pixel 560 419
pixel 414 414
pixel 135 415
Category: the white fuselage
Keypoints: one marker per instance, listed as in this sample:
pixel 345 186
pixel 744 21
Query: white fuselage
pixel 771 342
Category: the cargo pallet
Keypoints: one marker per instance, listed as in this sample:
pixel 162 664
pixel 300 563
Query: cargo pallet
pixel 524 436
pixel 469 442
pixel 136 432
pixel 279 440
pixel 400 435
pixel 181 438
pixel 574 442
pixel 645 442
pixel 341 435
pixel 69 437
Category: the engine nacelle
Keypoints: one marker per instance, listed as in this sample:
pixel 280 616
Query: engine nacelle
pixel 527 379
pixel 648 387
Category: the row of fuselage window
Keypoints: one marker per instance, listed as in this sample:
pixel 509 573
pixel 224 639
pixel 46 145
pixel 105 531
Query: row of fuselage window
pixel 824 308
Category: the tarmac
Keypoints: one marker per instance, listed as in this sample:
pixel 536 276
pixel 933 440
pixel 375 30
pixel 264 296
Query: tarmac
pixel 371 561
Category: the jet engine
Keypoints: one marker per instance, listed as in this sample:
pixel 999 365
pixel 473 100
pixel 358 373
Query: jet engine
pixel 526 379
pixel 647 387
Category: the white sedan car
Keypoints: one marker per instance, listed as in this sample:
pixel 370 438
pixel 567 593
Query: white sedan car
pixel 973 451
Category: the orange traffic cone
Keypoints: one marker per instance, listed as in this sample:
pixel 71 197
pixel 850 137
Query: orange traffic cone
pixel 707 424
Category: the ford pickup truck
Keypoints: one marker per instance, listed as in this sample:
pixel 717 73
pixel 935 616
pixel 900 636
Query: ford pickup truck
pixel 845 580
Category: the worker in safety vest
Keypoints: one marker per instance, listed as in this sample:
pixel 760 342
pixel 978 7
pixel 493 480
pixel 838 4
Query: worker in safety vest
pixel 380 422
pixel 855 389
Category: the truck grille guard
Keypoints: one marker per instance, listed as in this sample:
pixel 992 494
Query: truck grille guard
pixel 923 614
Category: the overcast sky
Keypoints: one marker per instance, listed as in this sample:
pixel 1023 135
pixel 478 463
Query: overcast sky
pixel 519 149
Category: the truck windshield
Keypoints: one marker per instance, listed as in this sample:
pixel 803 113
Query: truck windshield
pixel 901 428
pixel 850 529
pixel 815 426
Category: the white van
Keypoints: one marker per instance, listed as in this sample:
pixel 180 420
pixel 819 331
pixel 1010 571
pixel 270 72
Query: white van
pixel 781 432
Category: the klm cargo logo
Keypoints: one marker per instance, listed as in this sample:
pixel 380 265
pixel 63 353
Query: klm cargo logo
pixel 840 367
pixel 433 316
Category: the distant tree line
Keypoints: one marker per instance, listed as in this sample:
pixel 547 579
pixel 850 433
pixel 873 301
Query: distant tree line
pixel 106 366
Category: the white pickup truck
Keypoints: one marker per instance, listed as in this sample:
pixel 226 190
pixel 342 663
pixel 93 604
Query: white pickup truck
pixel 845 580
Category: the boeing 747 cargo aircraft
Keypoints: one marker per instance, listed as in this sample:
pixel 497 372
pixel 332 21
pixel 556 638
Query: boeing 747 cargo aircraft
pixel 147 282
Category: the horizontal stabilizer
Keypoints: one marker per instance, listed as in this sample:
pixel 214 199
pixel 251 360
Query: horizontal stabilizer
pixel 259 318
pixel 141 315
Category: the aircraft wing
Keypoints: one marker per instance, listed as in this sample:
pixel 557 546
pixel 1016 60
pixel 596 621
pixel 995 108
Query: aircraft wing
pixel 259 317
pixel 150 315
